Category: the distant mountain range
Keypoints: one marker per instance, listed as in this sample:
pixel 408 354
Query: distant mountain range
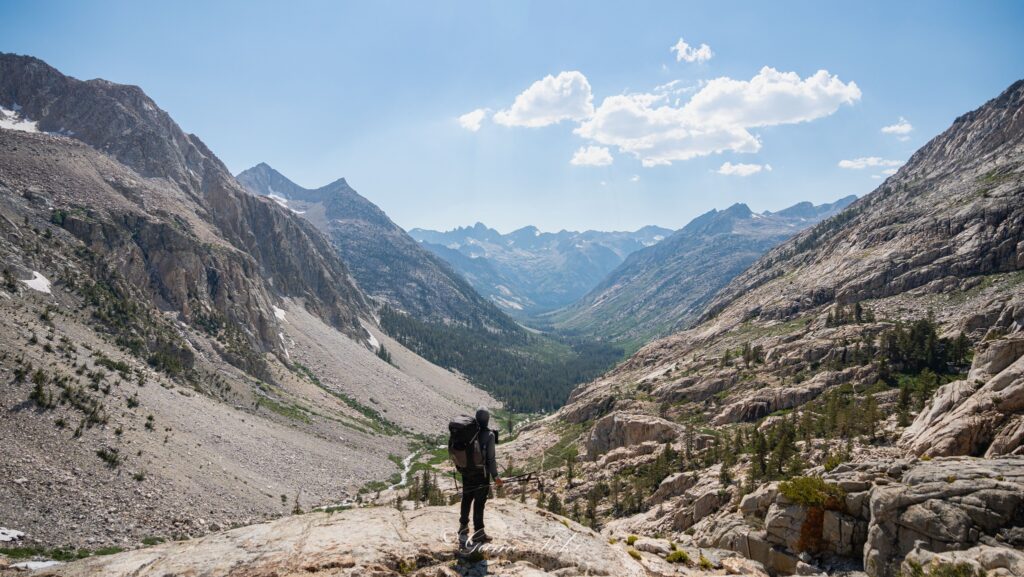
pixel 527 272
pixel 664 287
pixel 429 307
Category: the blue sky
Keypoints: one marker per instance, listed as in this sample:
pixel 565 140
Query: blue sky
pixel 373 91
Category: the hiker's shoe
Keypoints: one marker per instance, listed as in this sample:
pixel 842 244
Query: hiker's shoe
pixel 463 529
pixel 481 537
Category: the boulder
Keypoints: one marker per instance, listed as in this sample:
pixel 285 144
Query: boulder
pixel 656 546
pixel 754 506
pixel 783 525
pixel 730 532
pixel 742 566
pixel 622 429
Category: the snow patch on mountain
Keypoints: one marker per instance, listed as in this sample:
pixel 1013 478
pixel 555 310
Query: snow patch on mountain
pixel 279 313
pixel 38 282
pixel 13 119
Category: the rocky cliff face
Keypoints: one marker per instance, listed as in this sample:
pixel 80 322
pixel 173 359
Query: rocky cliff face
pixel 529 272
pixel 665 287
pixel 888 331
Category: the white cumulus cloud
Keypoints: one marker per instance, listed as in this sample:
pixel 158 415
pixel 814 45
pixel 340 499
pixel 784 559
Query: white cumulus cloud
pixel 471 120
pixel 868 162
pixel 592 156
pixel 740 169
pixel 717 118
pixel 901 129
pixel 550 100
pixel 687 53
pixel 902 126
pixel 659 134
pixel 771 98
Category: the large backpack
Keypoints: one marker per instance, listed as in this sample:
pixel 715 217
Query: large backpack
pixel 464 443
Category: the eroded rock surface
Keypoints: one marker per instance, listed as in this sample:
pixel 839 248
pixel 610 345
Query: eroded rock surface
pixel 981 414
pixel 377 541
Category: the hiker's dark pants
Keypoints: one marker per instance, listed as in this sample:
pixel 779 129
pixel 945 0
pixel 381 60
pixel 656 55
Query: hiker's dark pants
pixel 475 487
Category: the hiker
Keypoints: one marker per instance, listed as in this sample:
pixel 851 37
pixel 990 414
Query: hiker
pixel 474 458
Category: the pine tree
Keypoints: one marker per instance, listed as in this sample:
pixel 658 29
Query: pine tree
pixel 725 475
pixel 871 417
pixel 555 504
pixel 758 463
pixel 927 382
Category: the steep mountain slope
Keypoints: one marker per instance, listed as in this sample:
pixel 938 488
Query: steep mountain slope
pixel 890 331
pixel 663 288
pixel 124 123
pixel 429 307
pixel 386 262
pixel 177 354
pixel 527 271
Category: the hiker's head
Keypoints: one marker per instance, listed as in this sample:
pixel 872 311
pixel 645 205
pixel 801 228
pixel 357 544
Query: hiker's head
pixel 483 416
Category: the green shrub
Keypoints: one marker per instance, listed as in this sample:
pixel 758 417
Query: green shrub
pixel 631 540
pixel 633 553
pixel 936 569
pixel 813 492
pixel 678 556
pixel 705 563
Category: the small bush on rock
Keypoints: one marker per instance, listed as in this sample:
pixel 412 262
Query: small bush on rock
pixel 813 492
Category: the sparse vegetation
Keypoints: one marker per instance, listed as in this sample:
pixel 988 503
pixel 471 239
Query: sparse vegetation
pixel 110 456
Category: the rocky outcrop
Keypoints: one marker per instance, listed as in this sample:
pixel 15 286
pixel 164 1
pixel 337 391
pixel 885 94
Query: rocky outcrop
pixel 622 429
pixel 378 541
pixel 980 415
pixel 946 505
pixel 982 560
pixel 889 512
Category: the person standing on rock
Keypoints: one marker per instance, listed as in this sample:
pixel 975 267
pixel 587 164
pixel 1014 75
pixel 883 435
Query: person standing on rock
pixel 476 479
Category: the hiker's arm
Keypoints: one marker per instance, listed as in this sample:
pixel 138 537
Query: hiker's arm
pixel 491 461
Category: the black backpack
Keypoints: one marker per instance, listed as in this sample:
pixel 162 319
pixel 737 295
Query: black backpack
pixel 464 443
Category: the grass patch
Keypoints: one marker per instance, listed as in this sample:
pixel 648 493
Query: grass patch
pixel 291 411
pixel 63 555
pixel 373 419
